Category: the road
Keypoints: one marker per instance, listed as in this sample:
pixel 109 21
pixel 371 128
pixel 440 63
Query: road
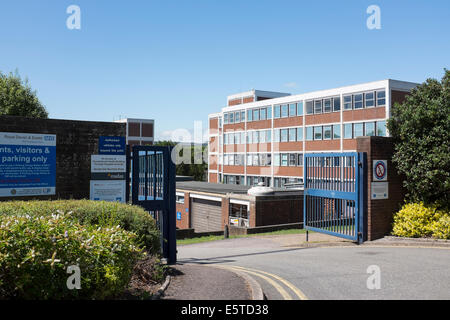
pixel 287 272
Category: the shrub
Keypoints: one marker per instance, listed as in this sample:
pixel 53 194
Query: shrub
pixel 99 213
pixel 35 252
pixel 418 220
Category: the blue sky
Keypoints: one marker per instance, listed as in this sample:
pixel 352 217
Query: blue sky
pixel 176 61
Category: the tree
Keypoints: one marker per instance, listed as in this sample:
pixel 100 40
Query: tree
pixel 197 171
pixel 421 129
pixel 18 99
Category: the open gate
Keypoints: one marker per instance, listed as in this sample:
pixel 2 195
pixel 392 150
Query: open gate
pixel 334 196
pixel 151 185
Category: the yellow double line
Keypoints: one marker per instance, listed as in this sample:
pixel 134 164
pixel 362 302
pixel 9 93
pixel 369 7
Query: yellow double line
pixel 269 277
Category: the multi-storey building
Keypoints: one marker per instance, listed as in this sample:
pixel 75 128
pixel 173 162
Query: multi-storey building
pixel 261 136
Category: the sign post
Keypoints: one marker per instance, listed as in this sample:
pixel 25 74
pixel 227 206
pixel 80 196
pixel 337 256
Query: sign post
pixel 380 185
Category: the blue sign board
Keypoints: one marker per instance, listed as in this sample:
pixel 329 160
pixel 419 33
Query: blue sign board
pixel 27 164
pixel 111 145
pixel 178 215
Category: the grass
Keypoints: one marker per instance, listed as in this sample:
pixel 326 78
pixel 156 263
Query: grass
pixel 216 238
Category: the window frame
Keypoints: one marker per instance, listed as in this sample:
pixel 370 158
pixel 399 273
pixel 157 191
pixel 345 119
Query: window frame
pixel 348 103
pixel 292 107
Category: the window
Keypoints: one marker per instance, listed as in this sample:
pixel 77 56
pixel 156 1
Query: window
pixel 231 159
pixel 237 138
pixel 300 159
pixel 336 103
pixel 277 112
pixel 225 160
pixel 268 136
pixel 309 107
pixel 317 133
pixel 262 114
pixel 276 135
pixel 249 137
pixel 269 113
pixel 336 131
pixel 381 98
pixel 358 130
pixel 327 133
pixel 369 99
pixel 256 115
pixel 309 133
pixel 256 160
pixel 348 102
pixel 284 159
pixel 262 159
pixel 249 159
pixel 255 137
pixel 299 108
pixel 225 118
pixel 284 110
pixel 242 116
pixel 381 128
pixel 327 105
pixel 179 199
pixel 348 131
pixel 237 117
pixel 284 135
pixel 220 122
pixel 292 135
pixel 358 101
pixel 249 115
pixel 231 118
pixel 242 137
pixel 225 138
pixel 269 159
pixel 370 128
pixel 276 159
pixel 292 159
pixel 299 134
pixel 317 106
pixel 262 137
pixel 292 110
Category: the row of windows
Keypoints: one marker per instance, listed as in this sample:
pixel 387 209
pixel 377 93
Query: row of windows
pixel 323 132
pixel 327 105
pixel 261 136
pixel 354 130
pixel 317 106
pixel 365 100
pixel 288 159
pixel 255 180
pixel 288 110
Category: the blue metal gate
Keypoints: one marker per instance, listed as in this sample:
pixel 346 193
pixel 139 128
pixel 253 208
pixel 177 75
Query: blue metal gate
pixel 334 196
pixel 151 185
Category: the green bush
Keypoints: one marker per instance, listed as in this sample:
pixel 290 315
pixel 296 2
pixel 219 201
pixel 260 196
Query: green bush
pixel 35 252
pixel 99 213
pixel 418 220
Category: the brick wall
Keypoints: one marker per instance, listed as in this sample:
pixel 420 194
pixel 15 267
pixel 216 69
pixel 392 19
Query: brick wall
pixel 380 212
pixel 76 141
pixel 184 223
pixel 279 210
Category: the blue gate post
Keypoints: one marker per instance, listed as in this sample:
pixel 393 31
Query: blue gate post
pixel 171 211
pixel 362 186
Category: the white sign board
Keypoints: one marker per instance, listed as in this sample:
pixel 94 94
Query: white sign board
pixel 108 190
pixel 379 190
pixel 379 170
pixel 108 163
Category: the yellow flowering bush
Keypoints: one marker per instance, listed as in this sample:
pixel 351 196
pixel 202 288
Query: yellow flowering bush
pixel 416 220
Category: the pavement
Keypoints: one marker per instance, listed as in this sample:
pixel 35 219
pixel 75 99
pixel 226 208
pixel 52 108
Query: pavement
pixel 285 267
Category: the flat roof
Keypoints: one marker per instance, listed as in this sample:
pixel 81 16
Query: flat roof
pixel 220 188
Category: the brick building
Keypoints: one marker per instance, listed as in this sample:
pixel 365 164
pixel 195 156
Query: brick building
pixel 207 207
pixel 261 136
pixel 139 131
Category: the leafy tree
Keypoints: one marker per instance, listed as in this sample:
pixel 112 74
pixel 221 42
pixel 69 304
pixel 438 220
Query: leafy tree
pixel 421 129
pixel 197 171
pixel 18 99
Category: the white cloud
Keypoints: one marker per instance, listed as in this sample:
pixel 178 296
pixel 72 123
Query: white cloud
pixel 290 85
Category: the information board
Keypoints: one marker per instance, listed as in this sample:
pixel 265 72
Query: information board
pixel 27 164
pixel 111 145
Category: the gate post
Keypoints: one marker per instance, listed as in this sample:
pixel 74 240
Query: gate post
pixel 171 211
pixel 362 194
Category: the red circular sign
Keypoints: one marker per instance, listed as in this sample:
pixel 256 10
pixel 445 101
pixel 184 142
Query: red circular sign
pixel 380 170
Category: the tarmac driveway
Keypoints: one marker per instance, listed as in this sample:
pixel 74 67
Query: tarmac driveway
pixel 340 272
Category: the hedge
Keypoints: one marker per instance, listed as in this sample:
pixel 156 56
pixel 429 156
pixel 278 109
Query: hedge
pixel 100 213
pixel 39 240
